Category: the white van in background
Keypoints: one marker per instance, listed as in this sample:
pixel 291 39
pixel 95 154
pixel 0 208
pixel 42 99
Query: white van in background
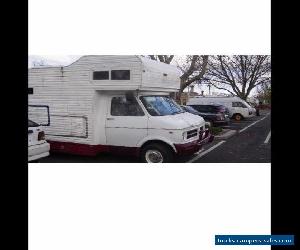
pixel 238 108
pixel 115 104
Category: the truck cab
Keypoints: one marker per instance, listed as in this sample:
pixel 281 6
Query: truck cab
pixel 153 126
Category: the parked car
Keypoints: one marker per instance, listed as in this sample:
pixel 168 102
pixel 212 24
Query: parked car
pixel 255 108
pixel 215 114
pixel 238 108
pixel 190 110
pixel 37 145
pixel 193 111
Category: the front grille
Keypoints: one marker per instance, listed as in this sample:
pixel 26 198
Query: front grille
pixel 192 133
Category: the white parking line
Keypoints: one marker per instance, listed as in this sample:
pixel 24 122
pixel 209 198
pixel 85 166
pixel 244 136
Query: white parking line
pixel 202 149
pixel 206 152
pixel 242 130
pixel 268 138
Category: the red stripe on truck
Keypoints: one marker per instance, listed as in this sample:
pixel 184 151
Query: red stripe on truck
pixel 90 150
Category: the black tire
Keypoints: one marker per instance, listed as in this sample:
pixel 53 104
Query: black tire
pixel 238 117
pixel 165 151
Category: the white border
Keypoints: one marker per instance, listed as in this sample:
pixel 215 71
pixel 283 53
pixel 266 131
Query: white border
pixel 62 27
pixel 140 206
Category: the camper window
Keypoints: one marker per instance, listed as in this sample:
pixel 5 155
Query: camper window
pixel 100 75
pixel 238 105
pixel 120 106
pixel 120 74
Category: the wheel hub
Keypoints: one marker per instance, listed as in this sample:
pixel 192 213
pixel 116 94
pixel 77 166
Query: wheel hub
pixel 154 156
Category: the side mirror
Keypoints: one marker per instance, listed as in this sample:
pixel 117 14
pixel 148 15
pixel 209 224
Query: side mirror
pixel 129 96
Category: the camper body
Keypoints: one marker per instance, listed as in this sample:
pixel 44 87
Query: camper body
pixel 238 108
pixel 114 104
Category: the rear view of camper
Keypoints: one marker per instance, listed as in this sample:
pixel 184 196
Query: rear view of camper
pixel 114 104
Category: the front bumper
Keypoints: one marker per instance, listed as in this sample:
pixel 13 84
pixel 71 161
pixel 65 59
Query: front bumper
pixel 194 146
pixel 221 122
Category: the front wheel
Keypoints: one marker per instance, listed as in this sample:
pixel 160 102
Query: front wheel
pixel 238 117
pixel 156 153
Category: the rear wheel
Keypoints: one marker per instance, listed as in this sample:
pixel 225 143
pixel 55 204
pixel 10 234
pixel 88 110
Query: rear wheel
pixel 157 153
pixel 238 117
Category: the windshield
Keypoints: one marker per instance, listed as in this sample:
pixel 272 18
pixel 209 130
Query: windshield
pixel 190 109
pixel 252 105
pixel 161 105
pixel 247 104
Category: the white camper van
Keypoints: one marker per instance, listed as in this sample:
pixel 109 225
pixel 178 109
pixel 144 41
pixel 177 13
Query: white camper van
pixel 238 108
pixel 114 104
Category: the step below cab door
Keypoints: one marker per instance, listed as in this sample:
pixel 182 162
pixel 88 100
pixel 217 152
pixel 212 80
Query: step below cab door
pixel 126 122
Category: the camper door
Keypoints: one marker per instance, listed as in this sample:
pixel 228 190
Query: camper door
pixel 126 122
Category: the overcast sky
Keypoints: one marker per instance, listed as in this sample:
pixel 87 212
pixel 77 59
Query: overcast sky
pixel 56 60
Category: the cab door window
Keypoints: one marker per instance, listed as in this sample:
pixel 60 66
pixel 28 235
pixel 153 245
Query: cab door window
pixel 120 106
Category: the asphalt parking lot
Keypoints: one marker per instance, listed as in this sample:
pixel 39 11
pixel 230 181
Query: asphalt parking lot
pixel 251 144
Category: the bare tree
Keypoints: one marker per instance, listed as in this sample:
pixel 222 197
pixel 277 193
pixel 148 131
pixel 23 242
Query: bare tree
pixel 193 68
pixel 264 93
pixel 162 58
pixel 238 75
pixel 39 63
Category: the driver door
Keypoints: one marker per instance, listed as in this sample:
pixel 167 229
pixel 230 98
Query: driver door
pixel 126 122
